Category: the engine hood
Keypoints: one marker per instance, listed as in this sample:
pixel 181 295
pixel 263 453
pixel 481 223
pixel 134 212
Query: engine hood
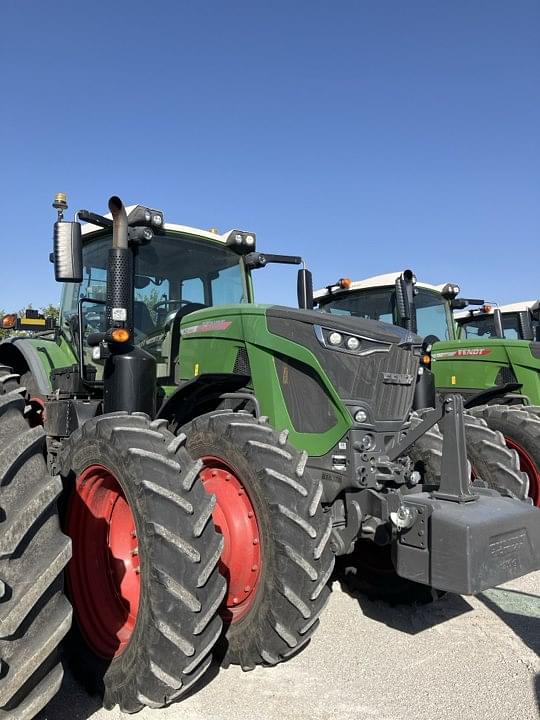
pixel 383 332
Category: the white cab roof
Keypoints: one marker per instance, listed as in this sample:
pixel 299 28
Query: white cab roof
pixel 512 307
pixel 88 229
pixel 386 280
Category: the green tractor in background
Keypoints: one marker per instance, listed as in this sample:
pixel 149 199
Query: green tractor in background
pixel 217 454
pixel 488 354
pixel 516 321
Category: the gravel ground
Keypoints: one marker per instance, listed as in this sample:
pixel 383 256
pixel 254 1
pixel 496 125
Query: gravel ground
pixel 464 659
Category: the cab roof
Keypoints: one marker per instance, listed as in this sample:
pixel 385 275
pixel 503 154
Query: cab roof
pixel 386 280
pixel 511 307
pixel 89 229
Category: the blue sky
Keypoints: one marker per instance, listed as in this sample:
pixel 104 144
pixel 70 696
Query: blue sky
pixel 366 136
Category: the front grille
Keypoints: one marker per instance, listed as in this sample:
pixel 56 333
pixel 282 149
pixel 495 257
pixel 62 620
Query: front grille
pixel 365 378
pixel 361 378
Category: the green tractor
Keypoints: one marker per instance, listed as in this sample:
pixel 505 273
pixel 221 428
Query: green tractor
pixel 217 455
pixel 516 321
pixel 490 355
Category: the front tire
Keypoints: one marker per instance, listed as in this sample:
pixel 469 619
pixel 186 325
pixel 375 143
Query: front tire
pixel 276 558
pixel 144 580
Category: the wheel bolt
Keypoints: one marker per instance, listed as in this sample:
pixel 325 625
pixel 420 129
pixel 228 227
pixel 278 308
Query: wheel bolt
pixel 135 551
pixel 247 588
pixel 250 514
pixel 235 601
pixel 255 541
pixel 214 473
pixel 227 477
pixel 240 492
pixel 254 568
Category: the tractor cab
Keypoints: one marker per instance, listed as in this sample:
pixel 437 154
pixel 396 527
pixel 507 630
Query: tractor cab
pixel 395 298
pixel 176 271
pixel 518 321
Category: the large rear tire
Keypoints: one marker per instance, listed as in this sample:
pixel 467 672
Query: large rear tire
pixel 520 426
pixel 144 580
pixel 34 612
pixel 277 557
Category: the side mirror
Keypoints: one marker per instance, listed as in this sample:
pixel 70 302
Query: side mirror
pixel 304 288
pixel 68 265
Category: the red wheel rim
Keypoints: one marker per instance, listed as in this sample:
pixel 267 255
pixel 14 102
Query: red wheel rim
pixel 37 414
pixel 234 516
pixel 527 465
pixel 103 575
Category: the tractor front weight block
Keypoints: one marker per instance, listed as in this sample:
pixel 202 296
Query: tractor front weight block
pixel 468 547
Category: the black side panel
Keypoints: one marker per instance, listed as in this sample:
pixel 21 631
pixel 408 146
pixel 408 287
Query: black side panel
pixel 307 403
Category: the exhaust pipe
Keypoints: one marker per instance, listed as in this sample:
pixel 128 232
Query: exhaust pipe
pixel 129 377
pixel 120 223
pixel 119 309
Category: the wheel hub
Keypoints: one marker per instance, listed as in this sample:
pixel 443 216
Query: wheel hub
pixel 104 573
pixel 234 516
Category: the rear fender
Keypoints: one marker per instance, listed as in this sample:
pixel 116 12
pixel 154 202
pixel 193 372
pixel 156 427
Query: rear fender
pixel 23 356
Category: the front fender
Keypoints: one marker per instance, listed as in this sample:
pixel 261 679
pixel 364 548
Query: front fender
pixel 199 395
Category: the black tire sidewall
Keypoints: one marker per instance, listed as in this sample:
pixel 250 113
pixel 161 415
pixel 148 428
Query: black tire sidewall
pixel 202 444
pixel 98 452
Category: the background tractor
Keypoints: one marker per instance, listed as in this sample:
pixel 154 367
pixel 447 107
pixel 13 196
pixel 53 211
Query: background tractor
pixel 516 321
pixel 482 356
pixel 217 454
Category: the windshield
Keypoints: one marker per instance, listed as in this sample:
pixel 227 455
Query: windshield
pixel 483 326
pixel 174 275
pixel 432 312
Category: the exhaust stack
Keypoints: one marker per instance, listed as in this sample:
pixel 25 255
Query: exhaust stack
pixel 120 223
pixel 119 309
pixel 129 377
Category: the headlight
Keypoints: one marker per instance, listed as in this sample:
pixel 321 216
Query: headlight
pixel 343 342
